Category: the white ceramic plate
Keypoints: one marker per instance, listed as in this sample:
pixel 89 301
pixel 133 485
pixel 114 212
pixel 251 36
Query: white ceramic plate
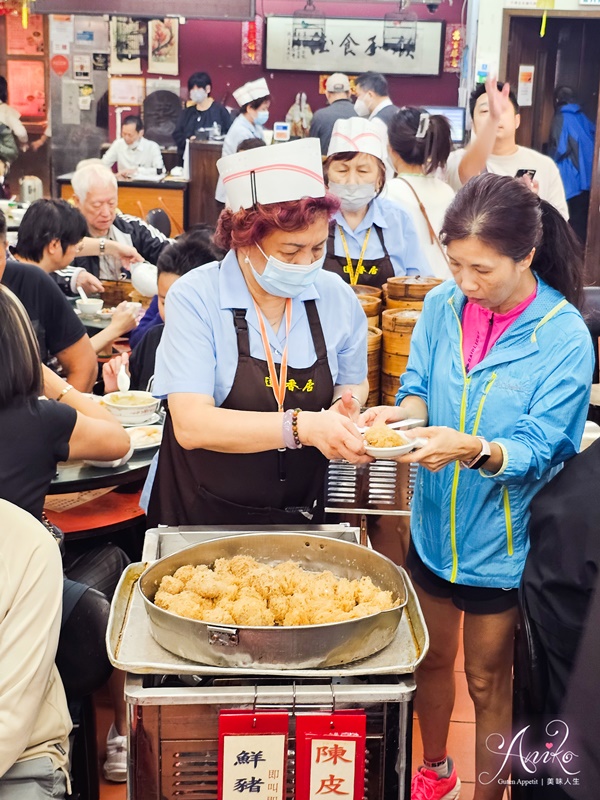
pixel 391 452
pixel 152 421
pixel 145 437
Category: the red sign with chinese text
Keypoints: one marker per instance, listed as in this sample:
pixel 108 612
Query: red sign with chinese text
pixel 453 48
pixel 252 754
pixel 252 42
pixel 330 755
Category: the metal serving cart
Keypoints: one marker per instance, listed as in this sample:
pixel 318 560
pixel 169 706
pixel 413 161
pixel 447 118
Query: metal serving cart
pixel 174 704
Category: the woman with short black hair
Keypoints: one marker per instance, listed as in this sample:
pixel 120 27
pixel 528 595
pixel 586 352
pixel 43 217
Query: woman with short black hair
pixel 203 112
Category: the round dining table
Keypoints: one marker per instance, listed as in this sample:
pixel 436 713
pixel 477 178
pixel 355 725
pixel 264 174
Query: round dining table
pixel 75 476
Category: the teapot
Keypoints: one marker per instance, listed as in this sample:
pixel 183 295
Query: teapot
pixel 31 188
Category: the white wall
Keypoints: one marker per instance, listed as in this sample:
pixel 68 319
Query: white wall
pixel 489 29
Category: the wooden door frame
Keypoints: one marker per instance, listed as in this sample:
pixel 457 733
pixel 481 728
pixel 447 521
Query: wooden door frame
pixel 592 251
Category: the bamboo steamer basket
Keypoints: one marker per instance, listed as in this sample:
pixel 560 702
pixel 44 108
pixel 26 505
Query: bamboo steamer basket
pixel 367 291
pixel 390 383
pixel 417 287
pixel 372 308
pixel 396 289
pixel 413 288
pixel 393 364
pixel 374 338
pixel 115 292
pixel 404 305
pixel 397 330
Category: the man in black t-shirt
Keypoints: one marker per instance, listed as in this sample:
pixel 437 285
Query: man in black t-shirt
pixel 59 332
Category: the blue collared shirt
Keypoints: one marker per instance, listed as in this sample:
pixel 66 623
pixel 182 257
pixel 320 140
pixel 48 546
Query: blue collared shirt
pixel 198 352
pixel 241 129
pixel 399 234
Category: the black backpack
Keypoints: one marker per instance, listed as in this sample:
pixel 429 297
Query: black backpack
pixel 9 149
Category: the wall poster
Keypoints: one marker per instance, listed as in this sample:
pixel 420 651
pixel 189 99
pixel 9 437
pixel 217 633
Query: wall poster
pixel 163 46
pixel 26 88
pixel 126 91
pixel 390 45
pixel 22 41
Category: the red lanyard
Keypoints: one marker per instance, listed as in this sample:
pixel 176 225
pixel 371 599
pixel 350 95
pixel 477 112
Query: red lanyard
pixel 278 384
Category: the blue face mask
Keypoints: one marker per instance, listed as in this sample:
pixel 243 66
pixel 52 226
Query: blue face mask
pixel 283 279
pixel 262 117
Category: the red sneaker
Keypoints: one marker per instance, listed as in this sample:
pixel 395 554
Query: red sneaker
pixel 427 785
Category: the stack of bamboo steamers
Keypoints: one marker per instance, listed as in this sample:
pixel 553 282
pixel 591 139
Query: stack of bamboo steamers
pixel 391 315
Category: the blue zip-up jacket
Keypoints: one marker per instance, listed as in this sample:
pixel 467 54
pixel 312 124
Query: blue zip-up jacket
pixel 571 145
pixel 530 394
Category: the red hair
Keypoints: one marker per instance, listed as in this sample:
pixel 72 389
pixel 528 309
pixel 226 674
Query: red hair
pixel 247 226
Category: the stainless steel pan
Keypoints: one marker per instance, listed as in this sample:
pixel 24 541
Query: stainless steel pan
pixel 299 647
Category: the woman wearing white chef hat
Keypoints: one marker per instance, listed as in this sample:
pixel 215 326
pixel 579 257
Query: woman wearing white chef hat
pixel 254 100
pixel 371 238
pixel 254 348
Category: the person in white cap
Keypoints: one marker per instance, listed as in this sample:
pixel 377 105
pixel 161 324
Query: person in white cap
pixel 254 100
pixel 371 238
pixel 337 93
pixel 254 348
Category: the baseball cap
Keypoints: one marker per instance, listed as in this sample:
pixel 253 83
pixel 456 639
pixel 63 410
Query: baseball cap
pixel 338 82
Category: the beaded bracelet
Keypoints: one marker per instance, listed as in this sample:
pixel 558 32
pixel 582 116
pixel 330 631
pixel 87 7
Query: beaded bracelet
pixel 297 441
pixel 288 436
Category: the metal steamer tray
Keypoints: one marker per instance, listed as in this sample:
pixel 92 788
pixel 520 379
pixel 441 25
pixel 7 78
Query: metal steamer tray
pixel 133 648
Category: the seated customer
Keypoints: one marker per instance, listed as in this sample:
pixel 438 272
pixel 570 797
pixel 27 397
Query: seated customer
pixel 34 717
pixel 97 196
pixel 186 253
pixel 61 336
pixel 49 236
pixel 132 152
pixel 37 433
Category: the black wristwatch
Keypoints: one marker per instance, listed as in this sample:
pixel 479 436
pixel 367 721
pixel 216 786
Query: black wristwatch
pixel 479 460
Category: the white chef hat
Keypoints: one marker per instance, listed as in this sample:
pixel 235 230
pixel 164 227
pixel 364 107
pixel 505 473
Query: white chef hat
pixel 251 91
pixel 273 174
pixel 357 135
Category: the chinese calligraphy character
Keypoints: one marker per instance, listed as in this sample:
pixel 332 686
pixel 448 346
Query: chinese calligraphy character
pixel 347 43
pixel 372 48
pixel 335 754
pixel 291 385
pixel 309 385
pixel 248 785
pixel 273 773
pixel 249 758
pixel 268 381
pixel 331 785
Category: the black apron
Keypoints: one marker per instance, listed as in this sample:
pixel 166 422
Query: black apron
pixel 203 487
pixel 376 270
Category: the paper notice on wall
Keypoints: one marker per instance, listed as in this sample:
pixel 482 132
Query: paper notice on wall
pixel 82 67
pixel 61 33
pixel 525 86
pixel 69 107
